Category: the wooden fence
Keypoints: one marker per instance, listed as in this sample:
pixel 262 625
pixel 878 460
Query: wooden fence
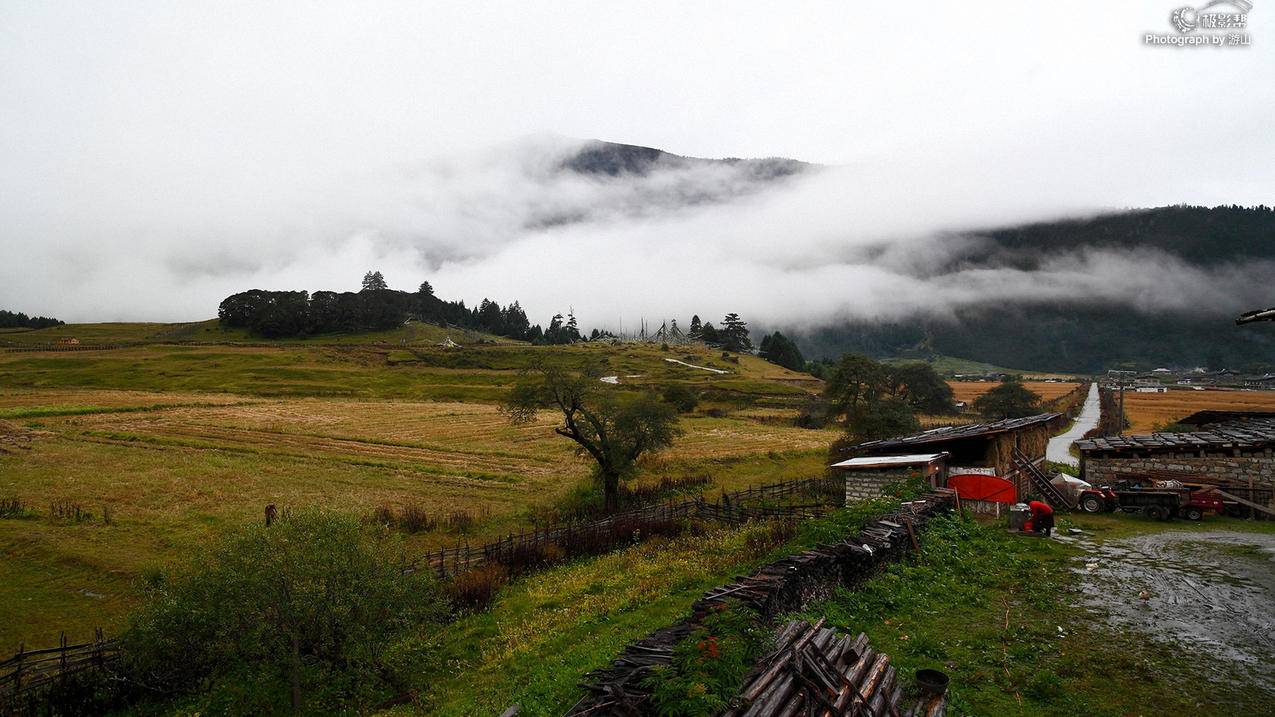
pixel 29 669
pixel 582 537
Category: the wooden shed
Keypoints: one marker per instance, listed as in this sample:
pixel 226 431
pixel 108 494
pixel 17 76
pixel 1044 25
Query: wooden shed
pixel 980 448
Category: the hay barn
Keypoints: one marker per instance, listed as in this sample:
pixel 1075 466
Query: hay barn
pixel 976 448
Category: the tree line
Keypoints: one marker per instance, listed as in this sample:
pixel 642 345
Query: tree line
pixel 873 401
pixel 19 320
pixel 376 307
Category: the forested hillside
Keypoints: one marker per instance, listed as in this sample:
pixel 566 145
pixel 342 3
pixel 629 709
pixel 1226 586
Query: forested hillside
pixel 1083 334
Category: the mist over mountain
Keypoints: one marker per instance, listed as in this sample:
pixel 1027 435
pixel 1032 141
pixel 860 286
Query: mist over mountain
pixel 888 255
pixel 1215 258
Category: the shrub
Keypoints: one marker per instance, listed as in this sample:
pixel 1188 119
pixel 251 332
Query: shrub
pixel 13 508
pixel 461 521
pixel 271 617
pixel 476 588
pixel 414 519
pixel 815 413
pixel 682 397
pixel 768 536
pixel 709 665
pixel 69 511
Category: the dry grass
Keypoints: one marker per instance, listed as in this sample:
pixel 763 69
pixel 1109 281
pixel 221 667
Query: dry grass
pixel 968 391
pixel 1149 411
pixel 175 475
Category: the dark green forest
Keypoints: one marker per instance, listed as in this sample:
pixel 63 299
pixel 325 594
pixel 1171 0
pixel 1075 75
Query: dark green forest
pixel 279 314
pixel 19 320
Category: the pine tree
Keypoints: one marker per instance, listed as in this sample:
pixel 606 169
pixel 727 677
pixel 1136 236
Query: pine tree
pixel 734 333
pixel 710 335
pixel 373 281
pixel 696 332
pixel 779 349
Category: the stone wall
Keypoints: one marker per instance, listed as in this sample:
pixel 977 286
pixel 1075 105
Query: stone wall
pixel 864 485
pixel 1259 467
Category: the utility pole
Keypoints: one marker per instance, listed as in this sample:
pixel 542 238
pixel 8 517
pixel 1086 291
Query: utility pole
pixel 1121 378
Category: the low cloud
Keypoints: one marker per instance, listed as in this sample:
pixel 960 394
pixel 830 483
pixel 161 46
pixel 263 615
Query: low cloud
pixel 869 241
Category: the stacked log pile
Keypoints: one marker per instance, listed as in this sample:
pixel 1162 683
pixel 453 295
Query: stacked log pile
pixel 786 585
pixel 818 671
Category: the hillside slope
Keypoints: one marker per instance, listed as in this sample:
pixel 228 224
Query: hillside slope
pixel 1228 249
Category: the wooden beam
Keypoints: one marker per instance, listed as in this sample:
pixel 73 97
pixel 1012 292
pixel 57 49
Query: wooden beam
pixel 1249 503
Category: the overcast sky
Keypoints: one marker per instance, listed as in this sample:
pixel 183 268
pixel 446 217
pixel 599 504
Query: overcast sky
pixel 155 157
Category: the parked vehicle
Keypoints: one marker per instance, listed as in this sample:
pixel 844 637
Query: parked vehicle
pixel 1157 504
pixel 1202 501
pixel 1083 495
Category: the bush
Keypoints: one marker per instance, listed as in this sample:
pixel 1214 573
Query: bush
pixel 815 413
pixel 414 519
pixel 478 587
pixel 269 619
pixel 13 508
pixel 69 511
pixel 709 666
pixel 682 397
pixel 762 539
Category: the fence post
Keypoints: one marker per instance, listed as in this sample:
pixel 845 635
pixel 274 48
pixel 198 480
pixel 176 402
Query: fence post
pixel 17 671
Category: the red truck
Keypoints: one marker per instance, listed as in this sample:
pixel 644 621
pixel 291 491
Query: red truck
pixel 1200 501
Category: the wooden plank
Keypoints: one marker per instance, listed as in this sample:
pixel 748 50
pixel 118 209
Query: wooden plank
pixel 1242 501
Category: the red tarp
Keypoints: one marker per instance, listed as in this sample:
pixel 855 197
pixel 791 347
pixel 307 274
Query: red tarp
pixel 974 486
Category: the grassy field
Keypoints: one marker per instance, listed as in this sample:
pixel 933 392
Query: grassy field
pixel 1148 412
pixel 175 442
pixel 995 611
pixel 212 332
pixel 999 614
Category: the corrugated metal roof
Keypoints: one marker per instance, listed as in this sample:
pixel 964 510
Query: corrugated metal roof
pixel 955 433
pixel 916 459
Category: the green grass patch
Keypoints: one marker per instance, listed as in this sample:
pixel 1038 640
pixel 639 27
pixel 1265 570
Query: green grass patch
pixel 996 612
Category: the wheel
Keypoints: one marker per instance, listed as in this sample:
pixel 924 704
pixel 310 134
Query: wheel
pixel 1157 513
pixel 1091 504
pixel 1192 513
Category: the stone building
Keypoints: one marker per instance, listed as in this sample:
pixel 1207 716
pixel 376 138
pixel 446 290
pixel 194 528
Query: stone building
pixel 1232 449
pixel 874 476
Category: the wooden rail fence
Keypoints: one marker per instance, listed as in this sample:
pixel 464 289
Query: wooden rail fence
pixel 733 507
pixel 29 669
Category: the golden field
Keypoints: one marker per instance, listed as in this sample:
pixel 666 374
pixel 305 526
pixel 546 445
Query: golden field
pixel 968 391
pixel 176 444
pixel 1148 412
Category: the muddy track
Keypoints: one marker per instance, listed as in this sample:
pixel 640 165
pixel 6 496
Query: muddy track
pixel 1210 593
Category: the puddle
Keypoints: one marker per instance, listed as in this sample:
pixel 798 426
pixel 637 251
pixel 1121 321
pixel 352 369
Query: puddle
pixel 1211 592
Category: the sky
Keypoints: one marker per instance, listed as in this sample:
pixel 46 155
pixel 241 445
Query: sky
pixel 158 156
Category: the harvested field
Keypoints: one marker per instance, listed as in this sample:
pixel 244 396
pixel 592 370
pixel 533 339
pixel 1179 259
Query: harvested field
pixel 1149 412
pixel 173 469
pixel 968 391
